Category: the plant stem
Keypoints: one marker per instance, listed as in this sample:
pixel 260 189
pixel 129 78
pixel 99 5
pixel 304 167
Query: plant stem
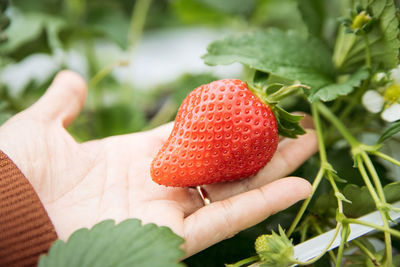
pixel 321 172
pixel 367 52
pixel 345 228
pixel 374 176
pixel 358 150
pixel 364 175
pixel 336 191
pixel 381 194
pixel 318 128
pixel 378 203
pixel 304 227
pixel 138 20
pixel 385 157
pixel 324 169
pixel 163 115
pixel 354 100
pixel 337 229
pixel 319 231
pixel 99 76
pixel 344 235
pixel 338 124
pixel 244 261
pixel 392 231
pixel 304 206
pixel 287 90
pixel 366 251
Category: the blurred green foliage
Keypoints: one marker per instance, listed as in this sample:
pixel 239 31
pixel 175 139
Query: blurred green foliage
pixel 56 27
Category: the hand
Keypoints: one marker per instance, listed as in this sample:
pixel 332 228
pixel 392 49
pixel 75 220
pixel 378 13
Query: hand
pixel 83 184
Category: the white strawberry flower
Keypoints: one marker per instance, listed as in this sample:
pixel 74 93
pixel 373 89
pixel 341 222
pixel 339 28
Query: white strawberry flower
pixel 373 101
pixel 392 113
pixel 386 99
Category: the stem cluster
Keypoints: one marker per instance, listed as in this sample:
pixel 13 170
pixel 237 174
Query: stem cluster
pixel 360 153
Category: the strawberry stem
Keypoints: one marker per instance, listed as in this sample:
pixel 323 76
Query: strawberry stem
pixel 288 124
pixel 286 91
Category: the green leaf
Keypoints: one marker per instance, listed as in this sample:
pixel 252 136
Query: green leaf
pixel 325 205
pixel 313 14
pixel 229 6
pixel 383 39
pixel 332 91
pixel 277 13
pixel 362 202
pixel 126 244
pixel 286 54
pixel 114 25
pixel 392 192
pixel 212 12
pixel 23 29
pixel 27 27
pixel 320 17
pixel 360 198
pixel 393 129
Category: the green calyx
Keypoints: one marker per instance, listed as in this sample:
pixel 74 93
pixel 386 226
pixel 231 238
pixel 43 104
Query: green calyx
pixel 275 250
pixel 271 94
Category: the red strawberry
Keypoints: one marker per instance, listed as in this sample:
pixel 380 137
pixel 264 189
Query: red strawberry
pixel 222 132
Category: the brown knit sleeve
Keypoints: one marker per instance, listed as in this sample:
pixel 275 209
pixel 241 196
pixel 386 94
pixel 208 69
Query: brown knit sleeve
pixel 25 228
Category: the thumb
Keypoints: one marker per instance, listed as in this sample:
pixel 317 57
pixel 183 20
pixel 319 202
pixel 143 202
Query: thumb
pixel 64 98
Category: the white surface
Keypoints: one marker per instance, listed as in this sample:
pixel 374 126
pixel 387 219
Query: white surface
pixel 313 247
pixel 163 56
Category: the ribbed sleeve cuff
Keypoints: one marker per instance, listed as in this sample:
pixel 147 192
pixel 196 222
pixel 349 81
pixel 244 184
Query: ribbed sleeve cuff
pixel 25 228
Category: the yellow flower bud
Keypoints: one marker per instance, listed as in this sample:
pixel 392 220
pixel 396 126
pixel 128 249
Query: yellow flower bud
pixel 360 21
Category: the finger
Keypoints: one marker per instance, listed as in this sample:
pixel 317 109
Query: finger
pixel 158 137
pixel 63 100
pixel 291 153
pixel 307 122
pixel 162 132
pixel 223 219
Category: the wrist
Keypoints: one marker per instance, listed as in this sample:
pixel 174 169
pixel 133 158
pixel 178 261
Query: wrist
pixel 24 224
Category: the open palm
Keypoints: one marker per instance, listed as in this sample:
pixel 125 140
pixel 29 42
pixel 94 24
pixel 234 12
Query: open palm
pixel 83 184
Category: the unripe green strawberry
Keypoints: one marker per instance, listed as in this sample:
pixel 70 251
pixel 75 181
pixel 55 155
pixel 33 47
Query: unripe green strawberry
pixel 222 132
pixel 275 250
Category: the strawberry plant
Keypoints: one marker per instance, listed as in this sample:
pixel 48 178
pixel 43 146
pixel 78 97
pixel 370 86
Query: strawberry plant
pixel 366 44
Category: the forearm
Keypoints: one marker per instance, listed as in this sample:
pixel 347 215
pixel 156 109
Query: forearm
pixel 25 228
